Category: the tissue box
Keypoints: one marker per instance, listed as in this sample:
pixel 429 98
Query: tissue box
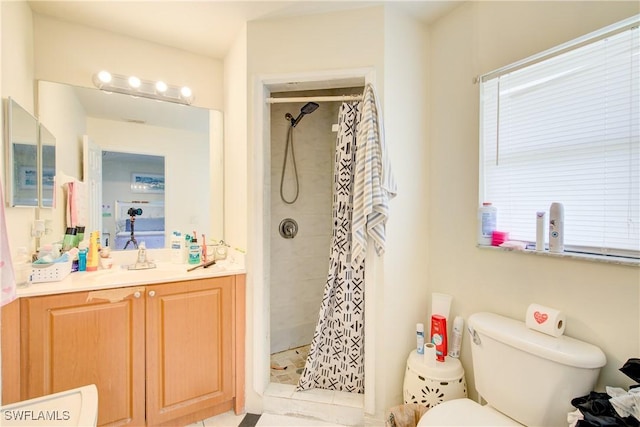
pixel 50 272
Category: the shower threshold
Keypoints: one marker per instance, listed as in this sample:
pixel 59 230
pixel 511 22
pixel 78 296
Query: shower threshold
pixel 327 405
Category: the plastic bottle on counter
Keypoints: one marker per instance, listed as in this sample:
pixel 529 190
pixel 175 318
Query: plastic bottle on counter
pixel 92 255
pixel 177 248
pixel 194 251
pixel 82 256
pixel 69 240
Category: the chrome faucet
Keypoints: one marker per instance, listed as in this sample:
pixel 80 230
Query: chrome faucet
pixel 142 263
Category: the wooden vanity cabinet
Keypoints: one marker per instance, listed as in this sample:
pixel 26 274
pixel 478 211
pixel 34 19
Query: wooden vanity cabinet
pixel 165 354
pixel 10 331
pixel 71 340
pixel 189 348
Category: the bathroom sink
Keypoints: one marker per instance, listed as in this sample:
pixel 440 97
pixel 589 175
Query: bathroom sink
pixel 76 407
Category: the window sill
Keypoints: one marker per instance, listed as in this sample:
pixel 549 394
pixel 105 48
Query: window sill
pixel 606 259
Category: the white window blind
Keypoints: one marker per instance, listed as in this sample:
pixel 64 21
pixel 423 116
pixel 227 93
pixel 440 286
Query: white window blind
pixel 564 127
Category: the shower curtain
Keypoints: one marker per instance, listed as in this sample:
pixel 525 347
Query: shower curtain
pixel 336 356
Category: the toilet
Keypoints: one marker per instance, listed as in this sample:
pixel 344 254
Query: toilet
pixel 524 376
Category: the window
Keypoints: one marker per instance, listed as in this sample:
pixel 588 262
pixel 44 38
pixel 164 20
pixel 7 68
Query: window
pixel 563 126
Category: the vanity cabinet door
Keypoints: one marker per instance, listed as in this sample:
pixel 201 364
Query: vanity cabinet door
pixel 10 339
pixel 89 338
pixel 189 349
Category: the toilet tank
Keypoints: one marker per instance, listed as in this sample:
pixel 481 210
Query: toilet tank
pixel 527 375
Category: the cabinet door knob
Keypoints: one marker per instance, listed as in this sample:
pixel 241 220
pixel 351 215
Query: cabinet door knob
pixel 137 294
pixel 152 293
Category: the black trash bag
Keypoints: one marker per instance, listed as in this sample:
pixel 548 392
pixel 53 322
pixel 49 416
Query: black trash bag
pixel 600 421
pixel 598 412
pixel 594 403
pixel 632 369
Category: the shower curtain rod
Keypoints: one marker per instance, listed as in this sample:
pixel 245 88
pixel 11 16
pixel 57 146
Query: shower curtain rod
pixel 315 98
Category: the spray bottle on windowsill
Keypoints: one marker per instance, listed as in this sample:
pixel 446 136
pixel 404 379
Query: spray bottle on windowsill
pixel 556 228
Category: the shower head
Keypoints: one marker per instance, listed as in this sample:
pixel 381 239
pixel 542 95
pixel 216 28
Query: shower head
pixel 307 108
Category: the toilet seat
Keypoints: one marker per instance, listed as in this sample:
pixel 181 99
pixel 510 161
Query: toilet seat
pixel 464 412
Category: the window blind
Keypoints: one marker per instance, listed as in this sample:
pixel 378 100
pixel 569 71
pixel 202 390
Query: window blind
pixel 566 129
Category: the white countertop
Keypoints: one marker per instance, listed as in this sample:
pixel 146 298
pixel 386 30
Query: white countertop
pixel 119 276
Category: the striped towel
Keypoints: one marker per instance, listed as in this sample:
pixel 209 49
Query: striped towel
pixel 373 185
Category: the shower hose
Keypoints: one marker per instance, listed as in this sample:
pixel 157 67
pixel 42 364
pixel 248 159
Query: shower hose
pixel 284 167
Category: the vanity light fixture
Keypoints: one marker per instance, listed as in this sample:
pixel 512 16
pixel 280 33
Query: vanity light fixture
pixel 132 85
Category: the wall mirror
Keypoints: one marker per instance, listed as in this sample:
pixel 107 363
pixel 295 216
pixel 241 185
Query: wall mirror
pixel 127 132
pixel 21 130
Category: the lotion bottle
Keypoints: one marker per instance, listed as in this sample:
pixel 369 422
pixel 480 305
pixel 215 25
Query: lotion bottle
pixel 556 228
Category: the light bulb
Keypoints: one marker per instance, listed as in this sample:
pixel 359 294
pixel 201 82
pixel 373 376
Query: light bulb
pixel 134 82
pixel 185 92
pixel 104 76
pixel 161 86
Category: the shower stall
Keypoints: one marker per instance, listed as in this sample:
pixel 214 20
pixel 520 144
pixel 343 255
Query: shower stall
pixel 302 163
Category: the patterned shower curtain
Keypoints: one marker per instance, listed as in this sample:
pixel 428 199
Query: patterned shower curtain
pixel 336 356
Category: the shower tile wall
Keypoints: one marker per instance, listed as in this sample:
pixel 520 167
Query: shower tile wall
pixel 299 265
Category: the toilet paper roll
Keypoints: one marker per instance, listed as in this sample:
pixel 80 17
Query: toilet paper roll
pixel 430 355
pixel 546 320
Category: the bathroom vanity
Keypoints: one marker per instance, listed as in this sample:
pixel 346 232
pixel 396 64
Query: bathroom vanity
pixel 163 346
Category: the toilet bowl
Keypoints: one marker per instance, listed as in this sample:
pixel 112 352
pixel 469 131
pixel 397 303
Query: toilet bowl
pixel 514 369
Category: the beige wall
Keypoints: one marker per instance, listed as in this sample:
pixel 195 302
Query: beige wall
pixel 405 287
pixel 17 82
pixel 601 300
pixel 235 150
pixel 72 54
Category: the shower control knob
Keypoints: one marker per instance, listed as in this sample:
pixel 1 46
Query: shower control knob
pixel 288 228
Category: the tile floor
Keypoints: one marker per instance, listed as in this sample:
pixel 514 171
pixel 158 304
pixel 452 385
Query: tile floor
pixel 229 419
pixel 286 366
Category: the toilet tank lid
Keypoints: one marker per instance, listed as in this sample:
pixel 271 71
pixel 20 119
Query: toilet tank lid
pixel 565 350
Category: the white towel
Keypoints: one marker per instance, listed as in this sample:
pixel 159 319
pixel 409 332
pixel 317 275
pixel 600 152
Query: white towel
pixel 373 185
pixel 7 276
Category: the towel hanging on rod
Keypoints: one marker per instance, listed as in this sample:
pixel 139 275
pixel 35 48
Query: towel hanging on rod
pixel 315 98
